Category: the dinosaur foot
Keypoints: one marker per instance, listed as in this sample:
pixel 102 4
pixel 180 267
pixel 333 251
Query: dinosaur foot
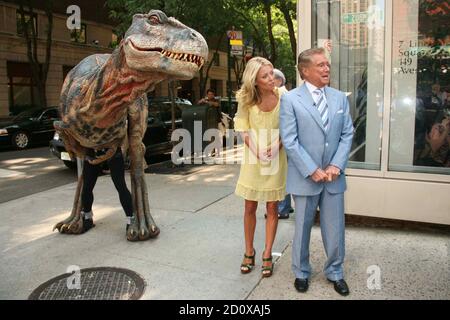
pixel 141 232
pixel 77 225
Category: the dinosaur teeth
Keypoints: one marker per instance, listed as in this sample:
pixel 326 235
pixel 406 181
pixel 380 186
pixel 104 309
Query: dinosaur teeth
pixel 199 61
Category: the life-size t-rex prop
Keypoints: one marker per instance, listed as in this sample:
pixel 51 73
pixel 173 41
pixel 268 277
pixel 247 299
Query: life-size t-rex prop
pixel 103 102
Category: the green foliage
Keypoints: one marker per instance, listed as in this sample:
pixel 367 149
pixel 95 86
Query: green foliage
pixel 214 18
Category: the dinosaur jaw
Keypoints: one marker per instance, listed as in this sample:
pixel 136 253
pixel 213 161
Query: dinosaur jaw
pixel 176 64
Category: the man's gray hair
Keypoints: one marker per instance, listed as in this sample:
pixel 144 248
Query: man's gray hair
pixel 305 58
pixel 277 74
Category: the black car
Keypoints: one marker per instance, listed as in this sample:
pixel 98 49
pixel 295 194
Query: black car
pixel 30 126
pixel 157 137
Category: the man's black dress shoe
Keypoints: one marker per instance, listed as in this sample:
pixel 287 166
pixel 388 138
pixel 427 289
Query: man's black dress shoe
pixel 301 285
pixel 341 287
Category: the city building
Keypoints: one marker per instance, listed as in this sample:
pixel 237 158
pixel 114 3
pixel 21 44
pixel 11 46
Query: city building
pixel 392 59
pixel 68 48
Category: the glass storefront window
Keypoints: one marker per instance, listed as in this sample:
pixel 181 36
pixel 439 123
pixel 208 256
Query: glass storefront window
pixel 353 34
pixel 420 107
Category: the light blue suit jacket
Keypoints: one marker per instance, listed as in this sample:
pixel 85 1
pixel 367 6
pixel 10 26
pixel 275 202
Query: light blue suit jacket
pixel 308 145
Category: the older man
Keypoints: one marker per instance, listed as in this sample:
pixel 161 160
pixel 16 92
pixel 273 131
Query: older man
pixel 317 131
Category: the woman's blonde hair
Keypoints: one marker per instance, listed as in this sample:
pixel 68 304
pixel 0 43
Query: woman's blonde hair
pixel 248 94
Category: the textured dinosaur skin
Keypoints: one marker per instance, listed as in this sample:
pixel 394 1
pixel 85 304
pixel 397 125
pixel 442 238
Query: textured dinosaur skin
pixel 103 103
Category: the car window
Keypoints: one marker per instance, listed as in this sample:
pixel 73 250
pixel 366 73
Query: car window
pixel 50 114
pixel 31 113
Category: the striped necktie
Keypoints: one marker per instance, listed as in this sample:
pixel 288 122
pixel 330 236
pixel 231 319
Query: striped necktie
pixel 322 107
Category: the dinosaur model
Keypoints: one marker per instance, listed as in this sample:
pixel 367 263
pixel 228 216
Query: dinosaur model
pixel 103 104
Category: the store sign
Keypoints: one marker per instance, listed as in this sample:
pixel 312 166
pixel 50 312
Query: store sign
pixel 354 17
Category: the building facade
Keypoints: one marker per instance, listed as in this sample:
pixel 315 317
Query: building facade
pixel 392 58
pixel 68 48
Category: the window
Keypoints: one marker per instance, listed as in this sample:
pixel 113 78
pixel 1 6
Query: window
pixel 357 69
pixel 22 93
pixel 78 35
pixel 20 29
pixel 216 59
pixel 50 114
pixel 216 85
pixel 420 108
pixel 66 70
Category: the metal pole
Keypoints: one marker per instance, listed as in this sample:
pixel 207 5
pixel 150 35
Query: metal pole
pixel 229 77
pixel 79 167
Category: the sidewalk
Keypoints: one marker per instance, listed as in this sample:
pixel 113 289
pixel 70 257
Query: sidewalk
pixel 200 248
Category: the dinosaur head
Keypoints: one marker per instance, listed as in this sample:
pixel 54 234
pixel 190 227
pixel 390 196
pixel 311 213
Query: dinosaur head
pixel 156 43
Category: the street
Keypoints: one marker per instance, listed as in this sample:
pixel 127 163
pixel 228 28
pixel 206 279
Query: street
pixel 29 171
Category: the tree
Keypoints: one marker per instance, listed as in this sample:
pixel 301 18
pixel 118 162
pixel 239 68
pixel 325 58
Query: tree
pixel 210 18
pixel 289 10
pixel 267 24
pixel 38 72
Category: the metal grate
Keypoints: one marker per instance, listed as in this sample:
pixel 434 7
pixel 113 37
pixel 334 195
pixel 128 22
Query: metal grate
pixel 102 283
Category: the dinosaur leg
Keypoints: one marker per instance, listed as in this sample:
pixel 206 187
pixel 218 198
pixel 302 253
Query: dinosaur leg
pixel 74 223
pixel 143 227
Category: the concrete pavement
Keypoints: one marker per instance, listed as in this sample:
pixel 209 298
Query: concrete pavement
pixel 199 251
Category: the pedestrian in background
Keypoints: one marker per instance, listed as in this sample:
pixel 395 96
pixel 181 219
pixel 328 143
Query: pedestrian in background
pixel 284 206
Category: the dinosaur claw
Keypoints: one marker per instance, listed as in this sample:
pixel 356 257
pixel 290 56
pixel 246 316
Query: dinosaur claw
pixel 57 226
pixel 154 231
pixel 144 234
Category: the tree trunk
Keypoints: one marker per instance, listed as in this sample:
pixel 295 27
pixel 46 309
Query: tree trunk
pixel 287 17
pixel 239 66
pixel 38 73
pixel 204 78
pixel 268 11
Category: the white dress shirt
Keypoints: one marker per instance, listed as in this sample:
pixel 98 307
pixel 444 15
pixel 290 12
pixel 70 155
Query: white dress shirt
pixel 314 94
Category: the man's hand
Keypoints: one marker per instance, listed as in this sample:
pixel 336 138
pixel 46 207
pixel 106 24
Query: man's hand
pixel 332 173
pixel 319 176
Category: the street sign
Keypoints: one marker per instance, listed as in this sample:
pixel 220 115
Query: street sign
pixel 354 17
pixel 234 35
pixel 237 51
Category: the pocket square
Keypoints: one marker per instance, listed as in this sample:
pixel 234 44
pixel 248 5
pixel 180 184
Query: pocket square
pixel 340 111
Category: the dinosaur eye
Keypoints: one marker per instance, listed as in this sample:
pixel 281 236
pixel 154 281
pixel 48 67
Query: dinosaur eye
pixel 154 19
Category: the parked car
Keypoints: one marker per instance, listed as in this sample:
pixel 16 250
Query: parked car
pixel 230 111
pixel 157 137
pixel 30 126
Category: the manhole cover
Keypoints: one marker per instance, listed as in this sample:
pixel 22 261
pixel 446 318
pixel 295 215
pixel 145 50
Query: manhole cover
pixel 103 283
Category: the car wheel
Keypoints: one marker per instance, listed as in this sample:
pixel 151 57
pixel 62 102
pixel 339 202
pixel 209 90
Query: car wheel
pixel 70 164
pixel 20 140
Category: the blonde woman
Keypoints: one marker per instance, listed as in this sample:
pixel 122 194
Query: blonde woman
pixel 263 170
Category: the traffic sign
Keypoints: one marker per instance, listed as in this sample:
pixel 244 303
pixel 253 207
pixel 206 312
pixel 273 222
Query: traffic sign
pixel 354 17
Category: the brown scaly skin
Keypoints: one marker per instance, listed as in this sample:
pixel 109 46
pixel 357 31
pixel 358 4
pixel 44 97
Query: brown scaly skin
pixel 103 103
